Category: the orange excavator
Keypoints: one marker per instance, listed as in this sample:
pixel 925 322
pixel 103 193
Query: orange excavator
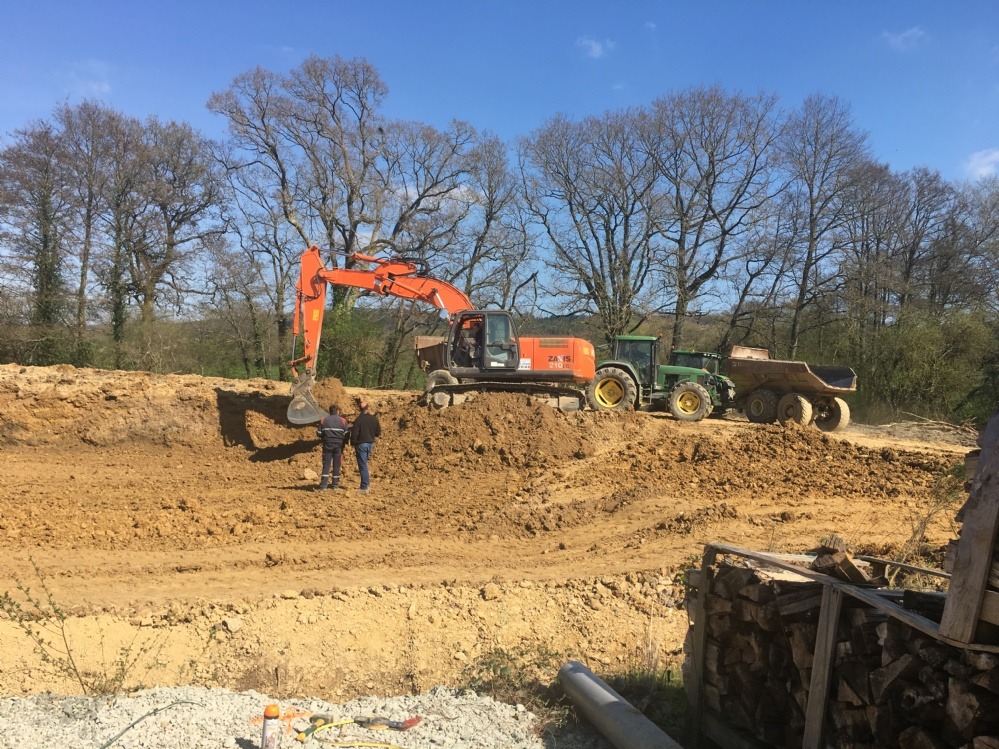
pixel 481 351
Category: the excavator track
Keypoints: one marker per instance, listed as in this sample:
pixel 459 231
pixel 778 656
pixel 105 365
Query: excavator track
pixel 443 395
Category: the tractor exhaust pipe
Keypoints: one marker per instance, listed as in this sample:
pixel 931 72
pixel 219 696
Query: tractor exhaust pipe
pixel 612 715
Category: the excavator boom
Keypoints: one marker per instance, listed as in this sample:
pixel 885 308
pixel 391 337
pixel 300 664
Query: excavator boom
pixel 396 277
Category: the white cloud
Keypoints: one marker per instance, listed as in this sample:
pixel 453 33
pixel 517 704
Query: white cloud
pixel 983 163
pixel 651 26
pixel 593 48
pixel 904 40
pixel 90 78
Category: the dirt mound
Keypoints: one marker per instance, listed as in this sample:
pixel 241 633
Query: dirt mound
pixel 45 405
pixel 329 392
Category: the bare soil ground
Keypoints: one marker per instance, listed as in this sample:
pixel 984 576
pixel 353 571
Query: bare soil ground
pixel 174 518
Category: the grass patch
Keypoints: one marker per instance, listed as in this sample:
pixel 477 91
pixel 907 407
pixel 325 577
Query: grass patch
pixel 528 675
pixel 46 625
pixel 522 676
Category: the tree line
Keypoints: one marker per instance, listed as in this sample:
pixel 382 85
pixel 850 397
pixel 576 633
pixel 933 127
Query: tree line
pixel 711 217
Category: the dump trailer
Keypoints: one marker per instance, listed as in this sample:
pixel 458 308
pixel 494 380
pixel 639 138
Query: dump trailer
pixel 770 390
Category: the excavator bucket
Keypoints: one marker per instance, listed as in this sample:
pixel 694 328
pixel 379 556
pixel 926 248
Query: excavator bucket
pixel 303 408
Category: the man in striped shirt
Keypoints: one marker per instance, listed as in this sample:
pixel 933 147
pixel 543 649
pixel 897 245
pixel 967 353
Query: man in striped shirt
pixel 333 430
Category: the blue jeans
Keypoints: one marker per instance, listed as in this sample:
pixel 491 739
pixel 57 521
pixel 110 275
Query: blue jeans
pixel 363 453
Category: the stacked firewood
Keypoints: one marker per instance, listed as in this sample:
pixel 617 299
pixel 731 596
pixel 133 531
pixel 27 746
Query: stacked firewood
pixel 890 685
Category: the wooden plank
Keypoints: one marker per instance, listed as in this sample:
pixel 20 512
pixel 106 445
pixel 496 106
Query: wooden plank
pixel 699 637
pixel 825 648
pixel 849 570
pixel 974 552
pixel 903 566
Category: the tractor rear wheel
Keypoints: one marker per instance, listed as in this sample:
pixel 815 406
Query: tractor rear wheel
pixel 833 415
pixel 794 408
pixel 612 389
pixel 761 408
pixel 689 401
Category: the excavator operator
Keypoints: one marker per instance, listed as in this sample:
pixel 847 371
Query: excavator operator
pixel 469 347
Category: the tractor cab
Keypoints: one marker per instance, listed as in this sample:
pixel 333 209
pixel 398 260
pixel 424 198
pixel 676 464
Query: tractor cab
pixel 709 362
pixel 642 352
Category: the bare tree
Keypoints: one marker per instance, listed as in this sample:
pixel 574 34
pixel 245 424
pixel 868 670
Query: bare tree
pixel 183 192
pixel 127 224
pixel 360 183
pixel 236 288
pixel 821 149
pixel 590 187
pixel 930 202
pixel 268 247
pixel 960 267
pixel 715 158
pixel 87 132
pixel 758 276
pixel 494 264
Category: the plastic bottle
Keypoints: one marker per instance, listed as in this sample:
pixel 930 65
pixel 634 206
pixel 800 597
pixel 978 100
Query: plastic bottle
pixel 271 736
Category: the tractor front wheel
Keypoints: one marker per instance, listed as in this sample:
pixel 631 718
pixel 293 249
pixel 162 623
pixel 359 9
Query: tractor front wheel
pixel 689 401
pixel 761 408
pixel 612 389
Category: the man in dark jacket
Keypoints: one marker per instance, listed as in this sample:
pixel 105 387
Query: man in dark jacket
pixel 363 434
pixel 333 431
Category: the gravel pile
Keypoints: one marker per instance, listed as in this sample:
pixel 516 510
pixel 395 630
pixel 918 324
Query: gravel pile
pixel 197 718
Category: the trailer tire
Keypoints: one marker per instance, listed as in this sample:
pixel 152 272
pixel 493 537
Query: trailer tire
pixel 794 408
pixel 761 407
pixel 833 415
pixel 612 389
pixel 689 401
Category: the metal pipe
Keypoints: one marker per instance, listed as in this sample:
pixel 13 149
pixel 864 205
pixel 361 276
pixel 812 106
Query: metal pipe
pixel 615 718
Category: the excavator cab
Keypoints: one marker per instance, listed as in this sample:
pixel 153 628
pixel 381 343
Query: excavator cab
pixel 482 340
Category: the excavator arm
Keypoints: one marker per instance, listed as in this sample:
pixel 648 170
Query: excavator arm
pixel 396 277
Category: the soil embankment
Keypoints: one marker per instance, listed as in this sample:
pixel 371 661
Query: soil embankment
pixel 175 515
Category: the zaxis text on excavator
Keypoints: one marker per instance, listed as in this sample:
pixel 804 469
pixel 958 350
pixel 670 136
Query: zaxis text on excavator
pixel 481 351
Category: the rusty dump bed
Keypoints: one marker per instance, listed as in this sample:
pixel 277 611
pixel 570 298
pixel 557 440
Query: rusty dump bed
pixel 751 368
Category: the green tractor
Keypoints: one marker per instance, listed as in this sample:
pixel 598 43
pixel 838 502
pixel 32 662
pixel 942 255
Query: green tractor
pixel 689 385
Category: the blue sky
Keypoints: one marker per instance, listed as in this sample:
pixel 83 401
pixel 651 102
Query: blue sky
pixel 922 77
